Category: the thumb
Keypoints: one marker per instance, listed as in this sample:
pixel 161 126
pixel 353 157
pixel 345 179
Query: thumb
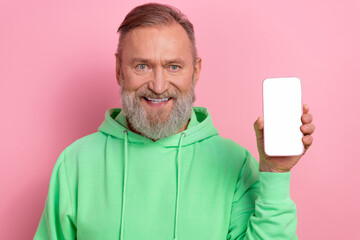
pixel 259 127
pixel 259 131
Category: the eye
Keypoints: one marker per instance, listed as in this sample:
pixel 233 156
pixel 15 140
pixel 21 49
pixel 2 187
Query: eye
pixel 174 68
pixel 142 68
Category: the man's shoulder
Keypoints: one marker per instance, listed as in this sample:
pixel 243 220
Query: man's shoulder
pixel 83 151
pixel 86 145
pixel 81 148
pixel 222 142
pixel 226 147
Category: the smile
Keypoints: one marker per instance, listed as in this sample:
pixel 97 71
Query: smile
pixel 156 100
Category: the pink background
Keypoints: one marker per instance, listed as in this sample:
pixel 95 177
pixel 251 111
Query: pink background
pixel 57 79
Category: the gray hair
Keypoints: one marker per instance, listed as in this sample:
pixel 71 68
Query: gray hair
pixel 152 14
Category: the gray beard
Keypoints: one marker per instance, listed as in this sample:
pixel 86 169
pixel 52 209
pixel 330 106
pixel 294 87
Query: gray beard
pixel 152 125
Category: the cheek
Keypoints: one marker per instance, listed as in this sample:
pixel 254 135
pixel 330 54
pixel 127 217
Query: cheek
pixel 133 83
pixel 183 83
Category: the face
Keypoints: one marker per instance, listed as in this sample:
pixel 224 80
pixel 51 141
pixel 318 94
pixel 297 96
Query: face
pixel 157 77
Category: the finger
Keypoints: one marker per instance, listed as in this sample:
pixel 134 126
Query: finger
pixel 306 118
pixel 305 108
pixel 307 141
pixel 307 129
pixel 258 127
pixel 259 123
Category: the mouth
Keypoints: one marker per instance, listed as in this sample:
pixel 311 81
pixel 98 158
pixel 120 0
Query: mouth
pixel 157 102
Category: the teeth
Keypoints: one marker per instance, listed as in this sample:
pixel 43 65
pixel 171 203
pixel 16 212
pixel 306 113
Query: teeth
pixel 155 100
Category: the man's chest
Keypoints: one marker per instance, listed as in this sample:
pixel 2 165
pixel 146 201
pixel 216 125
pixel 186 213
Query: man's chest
pixel 202 194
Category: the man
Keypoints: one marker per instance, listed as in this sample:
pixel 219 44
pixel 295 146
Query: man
pixel 157 168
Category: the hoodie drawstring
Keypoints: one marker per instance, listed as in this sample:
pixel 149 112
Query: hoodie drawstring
pixel 124 187
pixel 178 187
pixel 125 180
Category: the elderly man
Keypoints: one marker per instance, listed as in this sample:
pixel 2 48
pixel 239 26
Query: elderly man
pixel 157 168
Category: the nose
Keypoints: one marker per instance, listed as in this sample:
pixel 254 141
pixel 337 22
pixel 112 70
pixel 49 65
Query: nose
pixel 159 83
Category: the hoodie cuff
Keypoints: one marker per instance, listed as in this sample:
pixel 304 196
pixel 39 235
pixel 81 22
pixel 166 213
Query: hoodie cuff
pixel 274 187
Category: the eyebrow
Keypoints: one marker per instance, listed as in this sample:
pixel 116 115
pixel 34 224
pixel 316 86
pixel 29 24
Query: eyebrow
pixel 145 60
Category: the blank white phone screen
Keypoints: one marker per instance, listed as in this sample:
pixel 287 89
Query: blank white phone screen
pixel 282 106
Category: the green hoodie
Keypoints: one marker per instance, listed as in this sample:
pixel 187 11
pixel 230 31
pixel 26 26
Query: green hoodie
pixel 194 185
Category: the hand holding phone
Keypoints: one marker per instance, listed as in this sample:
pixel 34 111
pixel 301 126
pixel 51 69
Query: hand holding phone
pixel 282 103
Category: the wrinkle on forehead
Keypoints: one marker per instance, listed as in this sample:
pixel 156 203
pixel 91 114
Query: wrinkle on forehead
pixel 158 43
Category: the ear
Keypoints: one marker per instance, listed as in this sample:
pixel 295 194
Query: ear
pixel 118 70
pixel 197 70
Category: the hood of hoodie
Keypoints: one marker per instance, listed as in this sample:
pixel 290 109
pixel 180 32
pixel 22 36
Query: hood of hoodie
pixel 202 130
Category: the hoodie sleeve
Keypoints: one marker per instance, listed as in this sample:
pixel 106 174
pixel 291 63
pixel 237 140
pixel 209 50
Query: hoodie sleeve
pixel 57 220
pixel 262 207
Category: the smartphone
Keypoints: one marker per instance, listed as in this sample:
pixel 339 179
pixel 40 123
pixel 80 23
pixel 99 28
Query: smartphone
pixel 282 109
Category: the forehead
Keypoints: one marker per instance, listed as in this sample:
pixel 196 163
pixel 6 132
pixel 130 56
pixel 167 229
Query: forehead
pixel 157 42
